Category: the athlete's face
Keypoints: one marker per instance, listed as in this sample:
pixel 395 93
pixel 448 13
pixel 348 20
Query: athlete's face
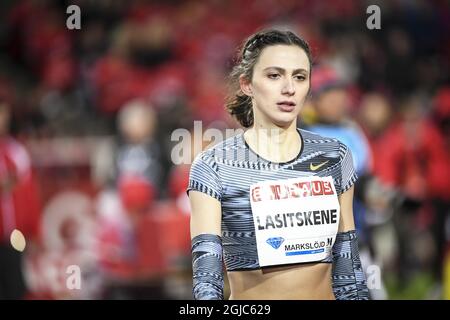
pixel 279 86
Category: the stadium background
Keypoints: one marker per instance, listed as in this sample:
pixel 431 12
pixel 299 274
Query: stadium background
pixel 95 109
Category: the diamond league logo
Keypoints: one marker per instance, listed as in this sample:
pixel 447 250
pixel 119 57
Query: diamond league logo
pixel 275 242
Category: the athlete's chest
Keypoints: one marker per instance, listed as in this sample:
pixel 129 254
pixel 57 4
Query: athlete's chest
pixel 236 183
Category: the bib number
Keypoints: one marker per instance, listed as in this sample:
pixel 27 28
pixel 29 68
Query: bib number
pixel 296 220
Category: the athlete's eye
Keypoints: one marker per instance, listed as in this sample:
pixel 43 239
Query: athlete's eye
pixel 273 75
pixel 300 77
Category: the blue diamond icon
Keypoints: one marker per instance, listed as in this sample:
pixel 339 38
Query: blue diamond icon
pixel 275 242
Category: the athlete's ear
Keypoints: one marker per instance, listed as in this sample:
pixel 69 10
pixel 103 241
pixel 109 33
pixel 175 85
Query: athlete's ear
pixel 246 85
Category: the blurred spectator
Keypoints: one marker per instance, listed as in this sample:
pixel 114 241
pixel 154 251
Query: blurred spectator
pixel 416 149
pixel 129 243
pixel 135 153
pixel 19 209
pixel 440 185
pixel 375 115
pixel 415 164
pixel 139 154
pixel 332 105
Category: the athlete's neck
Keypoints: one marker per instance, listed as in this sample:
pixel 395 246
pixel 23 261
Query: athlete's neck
pixel 274 144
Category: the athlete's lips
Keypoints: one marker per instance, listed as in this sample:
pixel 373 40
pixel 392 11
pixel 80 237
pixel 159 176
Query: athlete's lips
pixel 286 103
pixel 286 106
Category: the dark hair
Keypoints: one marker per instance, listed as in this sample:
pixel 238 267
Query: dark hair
pixel 238 104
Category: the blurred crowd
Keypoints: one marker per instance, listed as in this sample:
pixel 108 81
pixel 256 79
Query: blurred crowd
pixel 86 118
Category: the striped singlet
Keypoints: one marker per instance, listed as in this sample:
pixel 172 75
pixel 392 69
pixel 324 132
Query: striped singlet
pixel 226 171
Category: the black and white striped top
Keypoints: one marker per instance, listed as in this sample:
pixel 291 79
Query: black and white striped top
pixel 226 171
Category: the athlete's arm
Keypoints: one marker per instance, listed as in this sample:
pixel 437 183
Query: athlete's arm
pixel 206 214
pixel 349 282
pixel 346 221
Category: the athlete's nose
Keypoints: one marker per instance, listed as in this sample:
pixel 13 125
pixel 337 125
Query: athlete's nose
pixel 288 87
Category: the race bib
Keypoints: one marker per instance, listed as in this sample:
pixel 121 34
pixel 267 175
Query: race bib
pixel 296 220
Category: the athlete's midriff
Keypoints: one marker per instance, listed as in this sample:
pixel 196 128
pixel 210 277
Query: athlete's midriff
pixel 300 282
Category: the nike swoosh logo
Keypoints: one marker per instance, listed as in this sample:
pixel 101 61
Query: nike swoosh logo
pixel 314 168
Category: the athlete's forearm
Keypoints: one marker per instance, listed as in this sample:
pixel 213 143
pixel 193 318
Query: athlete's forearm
pixel 349 281
pixel 207 267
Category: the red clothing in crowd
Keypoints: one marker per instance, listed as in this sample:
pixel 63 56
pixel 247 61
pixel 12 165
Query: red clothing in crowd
pixel 19 204
pixel 413 157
